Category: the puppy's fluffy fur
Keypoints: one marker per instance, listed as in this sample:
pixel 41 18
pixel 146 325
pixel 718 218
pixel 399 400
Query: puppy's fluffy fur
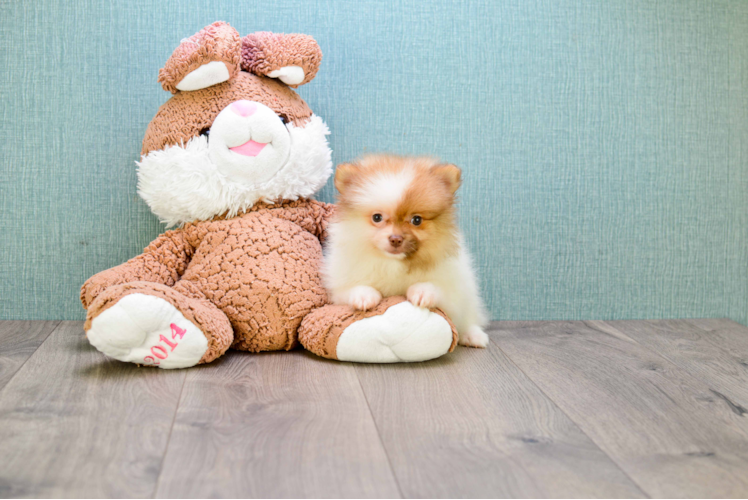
pixel 396 234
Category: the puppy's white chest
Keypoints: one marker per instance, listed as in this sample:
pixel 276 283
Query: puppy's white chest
pixel 395 278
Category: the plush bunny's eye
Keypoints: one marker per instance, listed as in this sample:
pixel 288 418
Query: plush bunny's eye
pixel 283 119
pixel 205 132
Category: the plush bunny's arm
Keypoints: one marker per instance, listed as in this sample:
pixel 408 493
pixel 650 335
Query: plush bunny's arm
pixel 163 261
pixel 312 215
pixel 328 214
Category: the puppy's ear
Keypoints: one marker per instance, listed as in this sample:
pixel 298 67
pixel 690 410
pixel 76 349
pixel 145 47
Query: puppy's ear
pixel 207 58
pixel 293 59
pixel 450 174
pixel 344 173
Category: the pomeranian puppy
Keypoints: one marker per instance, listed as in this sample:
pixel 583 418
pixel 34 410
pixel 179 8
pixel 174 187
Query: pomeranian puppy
pixel 395 233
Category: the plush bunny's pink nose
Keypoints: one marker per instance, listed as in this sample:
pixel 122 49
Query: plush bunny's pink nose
pixel 244 108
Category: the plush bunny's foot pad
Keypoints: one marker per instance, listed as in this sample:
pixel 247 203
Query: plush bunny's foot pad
pixel 404 333
pixel 147 330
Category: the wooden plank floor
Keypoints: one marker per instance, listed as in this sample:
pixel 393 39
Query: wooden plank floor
pixel 550 409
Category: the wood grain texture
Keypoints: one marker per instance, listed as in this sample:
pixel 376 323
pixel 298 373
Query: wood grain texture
pixel 472 425
pixel 667 429
pixel 284 424
pixel 718 355
pixel 75 424
pixel 551 409
pixel 18 341
pixel 726 334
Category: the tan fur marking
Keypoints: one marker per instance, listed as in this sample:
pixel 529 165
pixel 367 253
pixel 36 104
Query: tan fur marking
pixel 431 194
pixel 344 173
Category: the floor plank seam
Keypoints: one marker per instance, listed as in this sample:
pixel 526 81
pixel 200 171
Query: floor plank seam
pixel 379 435
pixel 623 471
pixel 18 370
pixel 168 438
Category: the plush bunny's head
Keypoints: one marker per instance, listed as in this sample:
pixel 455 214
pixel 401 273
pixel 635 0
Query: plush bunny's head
pixel 234 133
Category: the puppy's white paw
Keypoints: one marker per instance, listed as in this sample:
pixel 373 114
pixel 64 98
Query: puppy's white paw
pixel 474 337
pixel 364 298
pixel 423 295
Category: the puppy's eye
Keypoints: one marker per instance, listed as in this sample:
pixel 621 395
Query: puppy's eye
pixel 416 220
pixel 377 218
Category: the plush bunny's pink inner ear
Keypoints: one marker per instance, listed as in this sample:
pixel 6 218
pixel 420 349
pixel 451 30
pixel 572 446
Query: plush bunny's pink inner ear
pixel 207 58
pixel 293 59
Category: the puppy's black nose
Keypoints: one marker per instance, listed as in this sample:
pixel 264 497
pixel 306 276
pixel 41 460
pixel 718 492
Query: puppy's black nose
pixel 396 240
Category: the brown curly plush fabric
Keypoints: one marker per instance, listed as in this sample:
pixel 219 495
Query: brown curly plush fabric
pixel 264 52
pixel 217 42
pixel 187 113
pixel 163 261
pixel 320 330
pixel 258 270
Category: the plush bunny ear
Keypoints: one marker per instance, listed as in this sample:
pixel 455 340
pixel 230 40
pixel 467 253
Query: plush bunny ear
pixel 207 58
pixel 293 59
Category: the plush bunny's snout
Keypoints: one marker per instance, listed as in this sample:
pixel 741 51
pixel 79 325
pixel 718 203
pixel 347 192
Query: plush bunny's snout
pixel 249 142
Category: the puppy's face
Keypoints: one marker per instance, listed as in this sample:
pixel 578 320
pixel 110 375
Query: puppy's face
pixel 404 207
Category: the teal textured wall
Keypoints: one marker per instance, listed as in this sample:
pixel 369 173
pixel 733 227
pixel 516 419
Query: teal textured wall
pixel 604 144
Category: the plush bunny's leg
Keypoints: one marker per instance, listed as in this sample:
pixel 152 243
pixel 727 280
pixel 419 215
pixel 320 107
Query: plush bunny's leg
pixel 395 331
pixel 153 324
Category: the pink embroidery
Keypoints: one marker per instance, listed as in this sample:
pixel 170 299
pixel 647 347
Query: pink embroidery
pixel 152 360
pixel 159 351
pixel 167 342
pixel 156 353
pixel 175 330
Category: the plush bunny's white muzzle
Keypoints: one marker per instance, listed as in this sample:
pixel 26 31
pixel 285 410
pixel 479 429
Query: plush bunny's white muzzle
pixel 248 142
pixel 250 156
